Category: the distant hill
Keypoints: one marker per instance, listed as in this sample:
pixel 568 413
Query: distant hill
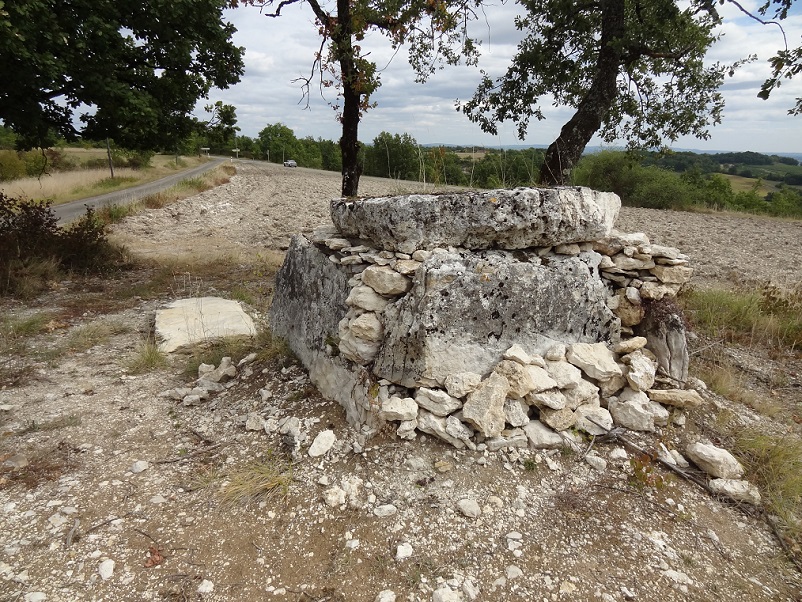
pixel 595 149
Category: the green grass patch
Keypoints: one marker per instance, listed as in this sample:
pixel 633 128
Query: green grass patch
pixel 12 328
pixel 774 464
pixel 147 358
pixel 88 335
pixel 768 316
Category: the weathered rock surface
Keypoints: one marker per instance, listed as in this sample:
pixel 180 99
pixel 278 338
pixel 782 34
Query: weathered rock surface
pixel 199 319
pixel 715 461
pixel 465 310
pixel 503 219
pixel 309 302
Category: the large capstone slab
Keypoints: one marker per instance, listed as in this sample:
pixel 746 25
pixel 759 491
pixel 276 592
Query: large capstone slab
pixel 466 309
pixel 500 219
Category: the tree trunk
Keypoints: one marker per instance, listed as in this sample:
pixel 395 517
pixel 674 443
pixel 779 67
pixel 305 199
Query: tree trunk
pixel 565 151
pixel 349 143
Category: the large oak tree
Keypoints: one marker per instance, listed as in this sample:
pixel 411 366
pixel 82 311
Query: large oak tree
pixel 131 70
pixel 631 69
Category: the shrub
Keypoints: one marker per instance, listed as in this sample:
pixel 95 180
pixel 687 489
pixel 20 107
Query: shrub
pixel 30 239
pixel 11 166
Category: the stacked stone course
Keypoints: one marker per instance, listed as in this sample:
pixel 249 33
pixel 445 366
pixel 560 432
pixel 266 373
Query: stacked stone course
pixel 515 341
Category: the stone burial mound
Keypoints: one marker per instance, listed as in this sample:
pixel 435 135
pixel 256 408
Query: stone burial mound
pixel 507 318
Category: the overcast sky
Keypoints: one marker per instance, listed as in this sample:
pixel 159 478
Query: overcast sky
pixel 279 50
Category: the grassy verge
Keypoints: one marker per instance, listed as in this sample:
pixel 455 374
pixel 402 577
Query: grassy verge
pixel 765 321
pixel 767 316
pixel 63 187
pixel 111 214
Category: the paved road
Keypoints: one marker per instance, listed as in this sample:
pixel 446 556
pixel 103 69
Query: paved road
pixel 69 212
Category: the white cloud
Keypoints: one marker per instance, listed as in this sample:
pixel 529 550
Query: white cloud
pixel 282 49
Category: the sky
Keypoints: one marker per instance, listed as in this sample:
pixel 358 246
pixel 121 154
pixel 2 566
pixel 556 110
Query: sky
pixel 280 50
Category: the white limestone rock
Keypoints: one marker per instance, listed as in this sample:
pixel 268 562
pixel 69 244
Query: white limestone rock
pixel 469 507
pixel 677 274
pixel 715 461
pixel 364 297
pixel 516 353
pixel 630 345
pixel 385 280
pixel 678 398
pixel 437 402
pixel 484 408
pixel 334 497
pixel 738 490
pixel 594 359
pixel 553 399
pixel 564 374
pixel 397 408
pixel 199 319
pixel 631 410
pixel 322 444
pixel 106 569
pixel 585 393
pixel 459 430
pixel 542 437
pixel 508 439
pixel 406 430
pixel 559 420
pixel 586 413
pixel 505 219
pixel 516 412
pixel 641 372
pixel 517 376
pixel 437 426
pixel 465 310
pixel 459 385
pixel 254 422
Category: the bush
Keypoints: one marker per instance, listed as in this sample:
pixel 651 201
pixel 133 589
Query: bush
pixel 11 166
pixel 33 246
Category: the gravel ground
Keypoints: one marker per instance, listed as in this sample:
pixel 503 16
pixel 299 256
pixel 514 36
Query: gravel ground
pixel 124 496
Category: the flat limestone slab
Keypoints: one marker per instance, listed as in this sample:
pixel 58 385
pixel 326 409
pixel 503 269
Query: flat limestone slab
pixel 198 319
pixel 500 219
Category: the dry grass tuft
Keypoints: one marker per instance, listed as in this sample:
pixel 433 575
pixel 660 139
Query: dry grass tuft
pixel 147 358
pixel 258 482
pixel 774 464
pixel 88 335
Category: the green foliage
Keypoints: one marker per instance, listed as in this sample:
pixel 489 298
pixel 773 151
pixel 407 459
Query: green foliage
pixel 647 185
pixel 139 67
pixel 15 164
pixel 393 156
pixel 277 142
pixel 632 71
pixel 30 238
pixel 435 32
pixel 774 464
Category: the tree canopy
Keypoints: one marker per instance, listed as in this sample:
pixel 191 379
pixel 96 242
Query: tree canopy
pixel 127 69
pixel 631 69
pixel 434 30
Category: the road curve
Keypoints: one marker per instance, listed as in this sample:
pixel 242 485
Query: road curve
pixel 69 212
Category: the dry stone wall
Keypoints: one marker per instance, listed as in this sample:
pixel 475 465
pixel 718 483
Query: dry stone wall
pixel 488 320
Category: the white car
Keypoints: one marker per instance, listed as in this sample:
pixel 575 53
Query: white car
pixel 290 163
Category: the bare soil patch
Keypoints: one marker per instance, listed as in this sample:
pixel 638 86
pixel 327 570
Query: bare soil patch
pixel 551 527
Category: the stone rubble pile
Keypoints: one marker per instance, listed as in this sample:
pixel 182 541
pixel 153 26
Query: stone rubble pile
pixel 531 333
